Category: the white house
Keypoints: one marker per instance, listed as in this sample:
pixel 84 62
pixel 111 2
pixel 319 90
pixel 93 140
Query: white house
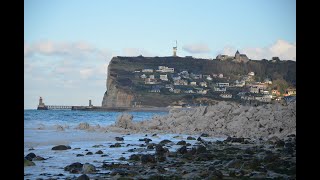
pixel 164 77
pixel 151 76
pixel 221 89
pixel 220 75
pixel 225 95
pixel 193 83
pixel 203 84
pixel 251 73
pixel 143 76
pixel 147 70
pixel 180 82
pixel 222 84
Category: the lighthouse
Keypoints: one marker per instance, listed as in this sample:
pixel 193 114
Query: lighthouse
pixel 175 50
pixel 41 105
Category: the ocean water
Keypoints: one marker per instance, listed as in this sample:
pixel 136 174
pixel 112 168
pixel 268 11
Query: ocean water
pixel 48 128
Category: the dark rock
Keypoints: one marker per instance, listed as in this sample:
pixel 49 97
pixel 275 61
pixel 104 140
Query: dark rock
pixel 204 135
pixel 234 139
pixel 86 150
pixel 154 134
pixel 216 174
pixel 211 168
pixel 188 144
pixel 134 157
pixel 201 149
pixel 88 168
pixel 249 151
pixel 97 146
pixel 89 153
pixel 28 163
pixel 160 150
pixel 30 156
pixel 147 158
pixel 79 155
pixel 104 155
pixel 83 177
pixel 182 150
pixel 191 138
pixel 150 146
pixel 38 158
pixel 119 138
pixel 219 142
pixel 142 145
pixel 30 149
pixel 99 152
pixel 115 145
pixel 122 158
pixel 199 139
pixel 76 148
pixel 182 143
pixel 61 147
pixel 291 135
pixel 74 167
pixel 146 140
pixel 235 163
pixel 166 141
pixel 161 158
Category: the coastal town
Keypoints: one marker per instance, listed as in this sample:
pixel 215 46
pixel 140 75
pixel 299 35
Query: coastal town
pixel 167 80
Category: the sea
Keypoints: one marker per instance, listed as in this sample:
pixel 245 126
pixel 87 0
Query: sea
pixel 44 129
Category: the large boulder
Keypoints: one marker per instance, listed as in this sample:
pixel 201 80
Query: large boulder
pixel 83 177
pixel 28 163
pixel 30 156
pixel 88 168
pixel 61 147
pixel 74 167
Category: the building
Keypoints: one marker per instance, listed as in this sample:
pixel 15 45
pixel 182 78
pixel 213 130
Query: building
pixel 147 70
pixel 165 69
pixel 201 91
pixel 203 84
pixel 220 89
pixel 193 83
pixel 189 91
pixel 240 83
pixel 150 81
pixel 155 89
pixel 291 91
pixel 196 76
pixel 143 76
pixel 275 92
pixel 175 50
pixel 226 95
pixel 164 77
pixel 176 91
pixel 180 82
pixel 175 77
pixel 240 57
pixel 265 98
pixel 222 84
pixel 251 73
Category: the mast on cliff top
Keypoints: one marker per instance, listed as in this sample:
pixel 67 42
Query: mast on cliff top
pixel 175 49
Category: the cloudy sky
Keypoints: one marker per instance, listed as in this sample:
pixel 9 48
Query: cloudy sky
pixel 68 44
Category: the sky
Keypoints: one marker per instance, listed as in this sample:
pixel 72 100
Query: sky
pixel 69 44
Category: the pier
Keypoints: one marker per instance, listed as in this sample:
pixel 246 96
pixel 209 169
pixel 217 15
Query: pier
pixel 42 106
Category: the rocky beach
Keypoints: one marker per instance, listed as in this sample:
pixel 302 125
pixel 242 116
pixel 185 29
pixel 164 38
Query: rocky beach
pixel 223 141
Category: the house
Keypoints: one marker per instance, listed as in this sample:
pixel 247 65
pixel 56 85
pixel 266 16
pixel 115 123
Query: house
pixel 247 97
pixel 164 77
pixel 137 71
pixel 222 84
pixel 275 59
pixel 251 73
pixel 189 91
pixel 240 57
pixel 220 75
pixel 264 92
pixel 214 75
pixel 143 76
pixel 176 91
pixel 221 89
pixel 275 92
pixel 168 86
pixel 291 91
pixel 155 89
pixel 171 89
pixel 193 83
pixel 226 95
pixel 147 70
pixel 202 91
pixel 151 76
pixel 175 77
pixel 150 81
pixel 255 89
pixel 165 69
pixel 184 74
pixel 240 83
pixel 267 81
pixel 208 77
pixel 196 76
pixel 180 82
pixel 265 98
pixel 203 84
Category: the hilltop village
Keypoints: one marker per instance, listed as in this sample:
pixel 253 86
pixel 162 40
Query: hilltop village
pixel 187 81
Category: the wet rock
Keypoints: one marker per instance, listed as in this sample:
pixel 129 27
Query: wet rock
pixel 188 144
pixel 272 140
pixel 89 153
pixel 182 143
pixel 166 141
pixel 61 147
pixel 134 157
pixel 31 149
pixel 160 150
pixel 234 140
pixel 150 146
pixel 204 135
pixel 38 158
pixel 191 138
pixel 97 146
pixel 199 139
pixel 99 152
pixel 236 173
pixel 78 155
pixel 147 158
pixel 201 149
pixel 30 156
pixel 182 150
pixel 28 163
pixel 104 155
pixel 122 158
pixel 119 138
pixel 115 145
pixel 76 148
pixel 83 177
pixel 74 167
pixel 88 168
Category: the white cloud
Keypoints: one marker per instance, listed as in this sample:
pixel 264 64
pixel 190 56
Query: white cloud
pixel 196 48
pixel 86 73
pixel 281 48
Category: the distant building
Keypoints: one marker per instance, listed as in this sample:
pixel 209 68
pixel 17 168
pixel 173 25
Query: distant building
pixel 203 84
pixel 193 83
pixel 180 82
pixel 251 73
pixel 150 81
pixel 240 57
pixel 265 98
pixel 175 77
pixel 223 57
pixel 222 84
pixel 165 69
pixel 275 92
pixel 220 89
pixel 155 89
pixel 176 91
pixel 147 70
pixel 226 95
pixel 220 75
pixel 164 77
pixel 291 91
pixel 151 76
pixel 143 76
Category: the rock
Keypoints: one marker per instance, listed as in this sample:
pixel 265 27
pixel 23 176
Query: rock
pixel 147 158
pixel 154 134
pixel 191 138
pixel 188 144
pixel 97 146
pixel 74 167
pixel 166 141
pixel 88 168
pixel 182 150
pixel 201 149
pixel 83 177
pixel 216 174
pixel 122 158
pixel 28 163
pixel 204 135
pixel 38 158
pixel 160 150
pixel 89 153
pixel 199 139
pixel 134 157
pixel 78 155
pixel 161 158
pixel 30 156
pixel 119 138
pixel 273 140
pixel 115 145
pixel 182 143
pixel 99 152
pixel 146 140
pixel 235 163
pixel 279 144
pixel 31 149
pixel 61 147
pixel 150 146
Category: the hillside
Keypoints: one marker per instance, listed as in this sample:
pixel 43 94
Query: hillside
pixel 128 85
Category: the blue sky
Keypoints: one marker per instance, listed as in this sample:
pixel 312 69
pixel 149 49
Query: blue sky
pixel 68 44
